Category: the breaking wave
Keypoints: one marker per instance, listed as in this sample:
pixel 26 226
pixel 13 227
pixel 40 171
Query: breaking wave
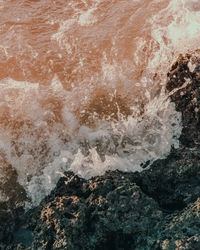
pixel 82 86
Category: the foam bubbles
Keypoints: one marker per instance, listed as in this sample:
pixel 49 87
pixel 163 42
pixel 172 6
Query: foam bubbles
pixel 87 17
pixel 42 138
pixel 175 29
pixel 125 145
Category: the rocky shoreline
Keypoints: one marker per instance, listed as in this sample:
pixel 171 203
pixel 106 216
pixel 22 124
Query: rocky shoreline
pixel 158 208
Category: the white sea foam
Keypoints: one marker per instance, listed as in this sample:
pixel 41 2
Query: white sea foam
pixel 42 151
pixel 176 30
pixel 87 17
pixel 45 129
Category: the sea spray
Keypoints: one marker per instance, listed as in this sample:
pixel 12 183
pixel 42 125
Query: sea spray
pixel 82 86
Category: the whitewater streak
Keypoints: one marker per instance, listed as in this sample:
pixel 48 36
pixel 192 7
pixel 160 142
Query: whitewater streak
pixel 88 95
pixel 42 144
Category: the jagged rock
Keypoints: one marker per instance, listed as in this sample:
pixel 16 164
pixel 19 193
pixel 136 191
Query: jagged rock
pixel 108 212
pixel 182 232
pixel 12 203
pixel 184 84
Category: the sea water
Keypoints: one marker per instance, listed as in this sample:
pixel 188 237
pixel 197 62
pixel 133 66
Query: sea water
pixel 82 86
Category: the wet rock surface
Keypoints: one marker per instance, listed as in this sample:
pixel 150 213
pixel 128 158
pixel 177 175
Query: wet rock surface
pixel 104 213
pixel 12 203
pixel 158 208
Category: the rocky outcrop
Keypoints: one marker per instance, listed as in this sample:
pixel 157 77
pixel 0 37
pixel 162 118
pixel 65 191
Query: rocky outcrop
pixel 158 208
pixel 182 231
pixel 105 213
pixel 12 202
pixel 184 86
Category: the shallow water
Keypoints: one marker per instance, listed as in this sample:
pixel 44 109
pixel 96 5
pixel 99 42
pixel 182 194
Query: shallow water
pixel 82 86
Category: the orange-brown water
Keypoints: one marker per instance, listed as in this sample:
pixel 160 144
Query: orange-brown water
pixel 82 84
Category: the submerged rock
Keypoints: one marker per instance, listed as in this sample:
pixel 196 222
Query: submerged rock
pixel 154 209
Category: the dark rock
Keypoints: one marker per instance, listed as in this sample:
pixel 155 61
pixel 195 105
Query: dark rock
pixel 186 95
pixel 182 232
pixel 12 206
pixel 24 236
pixel 108 212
